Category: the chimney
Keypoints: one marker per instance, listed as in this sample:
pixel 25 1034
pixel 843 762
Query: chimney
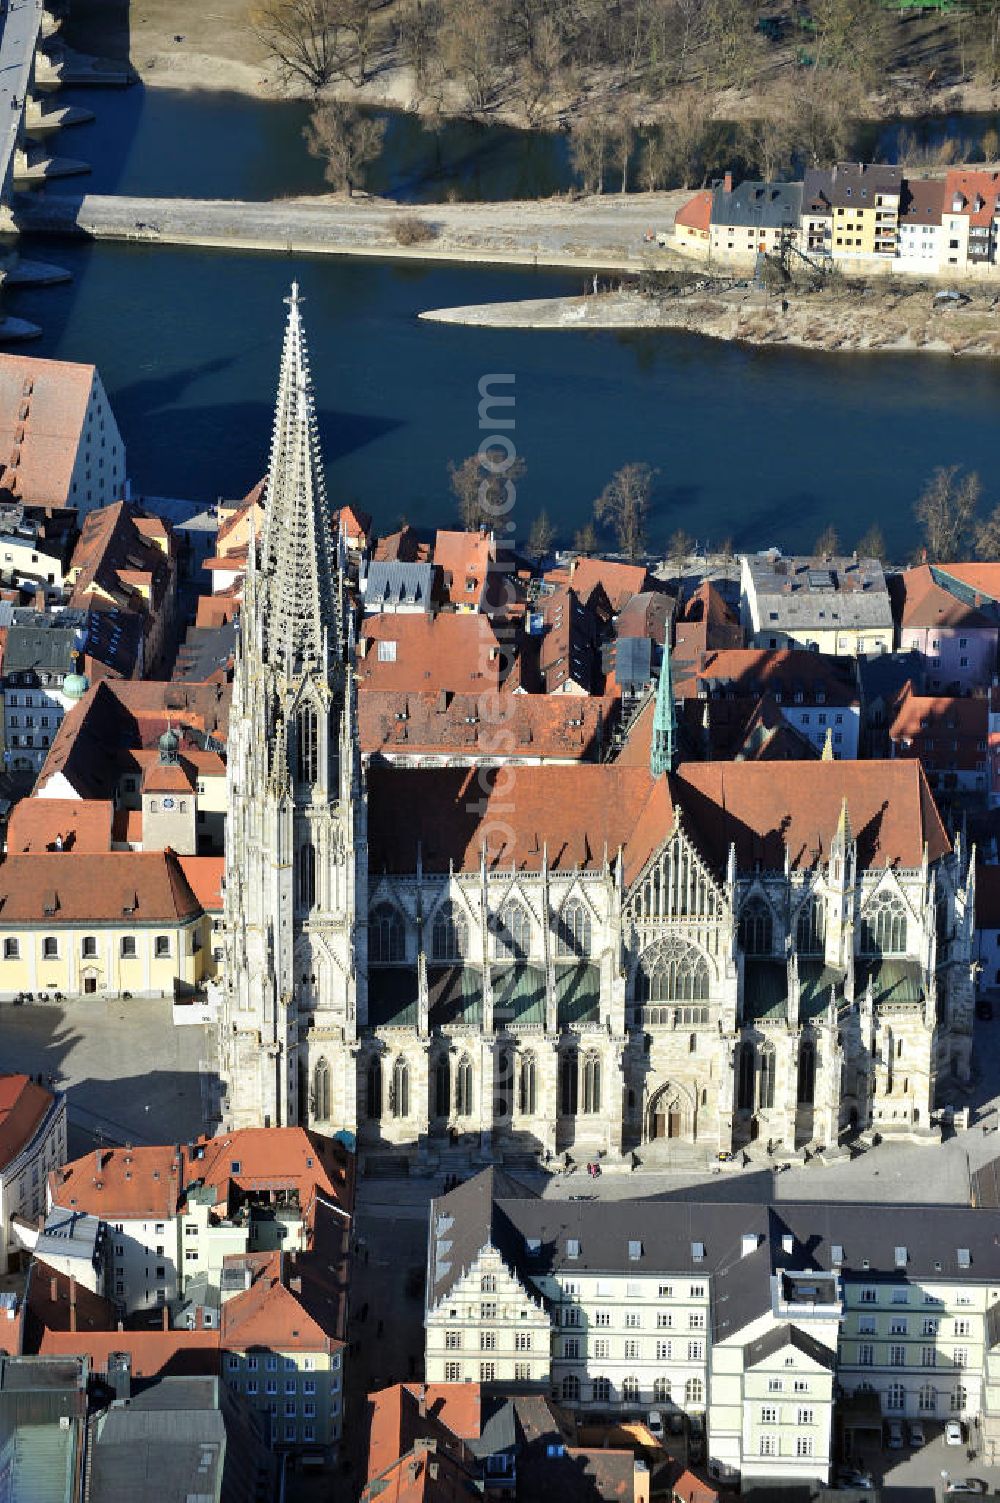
pixel 72 1303
pixel 54 1289
pixel 421 1397
pixel 98 1160
pixel 166 1317
pixel 727 183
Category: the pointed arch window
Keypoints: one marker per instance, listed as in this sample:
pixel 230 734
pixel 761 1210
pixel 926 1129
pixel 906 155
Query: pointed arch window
pixel 386 935
pixel 745 1070
pixel 463 1087
pixel 756 928
pixel 765 1078
pixel 373 1090
pixel 512 940
pixel 592 1084
pixel 307 875
pixel 442 1086
pixel 883 926
pixel 806 1093
pixel 810 927
pixel 400 1103
pixel 307 745
pixel 321 1091
pixel 526 1086
pixel 450 933
pixel 573 934
pixel 672 971
pixel 568 1084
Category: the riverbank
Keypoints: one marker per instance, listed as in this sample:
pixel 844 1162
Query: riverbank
pixel 608 233
pixel 843 318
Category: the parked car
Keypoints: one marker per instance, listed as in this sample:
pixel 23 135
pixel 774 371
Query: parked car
pixel 917 1437
pixel 850 1476
pixel 966 1485
pixel 677 1422
pixel 696 1438
pixel 984 1009
pixel 895 1440
pixel 654 1424
pixel 953 1433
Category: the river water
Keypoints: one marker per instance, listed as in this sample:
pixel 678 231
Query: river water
pixel 759 446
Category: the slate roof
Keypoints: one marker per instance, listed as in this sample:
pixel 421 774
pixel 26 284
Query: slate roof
pixel 775 1340
pixel 798 592
pixel 856 184
pixel 392 583
pixel 757 205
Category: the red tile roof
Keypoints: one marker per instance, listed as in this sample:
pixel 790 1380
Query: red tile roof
pixel 705 622
pixel 928 603
pixel 115 557
pixel 56 1302
pixel 43 407
pixel 464 560
pixel 977 193
pixel 479 727
pixel 459 652
pixel 984 577
pixel 38 824
pixel 619 581
pixel 152 1180
pixel 204 876
pixel 696 214
pixel 23 1106
pixel 946 733
pixel 154 1353
pixel 82 887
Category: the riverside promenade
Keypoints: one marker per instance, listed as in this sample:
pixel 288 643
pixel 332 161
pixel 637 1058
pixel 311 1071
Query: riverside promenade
pixel 612 233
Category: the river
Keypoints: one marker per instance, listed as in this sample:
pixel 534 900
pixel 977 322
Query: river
pixel 761 446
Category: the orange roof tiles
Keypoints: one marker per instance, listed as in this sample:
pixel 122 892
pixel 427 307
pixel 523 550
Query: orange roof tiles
pixel 464 559
pixel 705 622
pixel 755 671
pixel 204 875
pixel 696 214
pixel 928 603
pixel 23 1106
pixel 47 824
pixel 945 732
pixel 56 1302
pixel 480 727
pixel 83 887
pixel 619 581
pixel 976 194
pixel 114 558
pixel 153 1353
pixel 43 408
pixel 459 652
pixel 978 576
pixel 151 1180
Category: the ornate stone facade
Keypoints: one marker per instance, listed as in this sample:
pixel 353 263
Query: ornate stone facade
pixel 592 959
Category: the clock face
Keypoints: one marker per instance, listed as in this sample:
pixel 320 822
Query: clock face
pixel 168 803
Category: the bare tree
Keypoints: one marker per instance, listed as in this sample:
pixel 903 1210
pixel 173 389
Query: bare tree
pixel 988 537
pixel 675 151
pixel 481 486
pixel 871 544
pixel 821 109
pixel 624 506
pixel 768 142
pixel 541 537
pixel 680 547
pixel 588 150
pixel 828 542
pixel 991 145
pixel 473 51
pixel 621 133
pixel 301 36
pixel 585 540
pixel 346 140
pixel 946 511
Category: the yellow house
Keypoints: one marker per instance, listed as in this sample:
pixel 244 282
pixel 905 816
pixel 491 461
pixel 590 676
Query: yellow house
pixel 864 199
pixel 104 923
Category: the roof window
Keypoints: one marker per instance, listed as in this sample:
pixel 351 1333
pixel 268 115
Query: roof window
pixel 900 1257
pixel 635 1251
pixel 572 1247
pixel 964 1258
pixel 698 1252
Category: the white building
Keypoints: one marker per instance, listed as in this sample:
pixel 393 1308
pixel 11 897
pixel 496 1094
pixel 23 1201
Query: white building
pixel 839 606
pixel 32 1142
pixel 749 1315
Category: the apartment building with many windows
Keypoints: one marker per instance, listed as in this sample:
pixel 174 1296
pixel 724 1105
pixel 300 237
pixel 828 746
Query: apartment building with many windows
pixel 760 1319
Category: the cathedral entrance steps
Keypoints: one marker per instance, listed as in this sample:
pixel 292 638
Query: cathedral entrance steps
pixel 386 1166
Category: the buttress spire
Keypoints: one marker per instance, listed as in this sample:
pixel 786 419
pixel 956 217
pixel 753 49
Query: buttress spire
pixel 300 597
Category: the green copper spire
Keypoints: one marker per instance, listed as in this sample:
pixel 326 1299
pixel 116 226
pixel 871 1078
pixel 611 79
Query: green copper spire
pixel 663 746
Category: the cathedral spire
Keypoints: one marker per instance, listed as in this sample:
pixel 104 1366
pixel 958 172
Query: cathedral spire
pixel 301 601
pixel 662 750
